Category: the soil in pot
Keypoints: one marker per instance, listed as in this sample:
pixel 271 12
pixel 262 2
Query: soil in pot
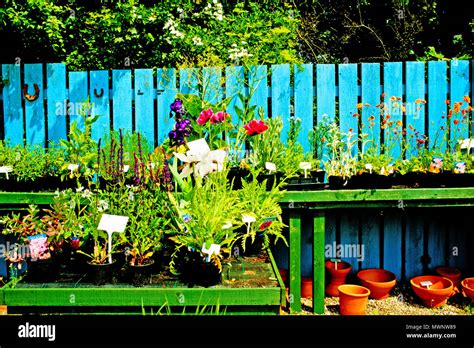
pixel 452 274
pixel 101 273
pixel 42 271
pixel 337 182
pixel 140 275
pixel 272 179
pixel 434 295
pixel 353 299
pixel 196 271
pixel 468 288
pixel 337 276
pixel 315 181
pixel 378 281
pixel 235 177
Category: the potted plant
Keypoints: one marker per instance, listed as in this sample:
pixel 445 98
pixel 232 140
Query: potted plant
pixel 203 227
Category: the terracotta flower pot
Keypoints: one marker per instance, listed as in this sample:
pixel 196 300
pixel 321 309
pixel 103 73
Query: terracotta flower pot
pixel 307 287
pixel 337 276
pixel 452 274
pixel 436 294
pixel 378 281
pixel 353 299
pixel 468 287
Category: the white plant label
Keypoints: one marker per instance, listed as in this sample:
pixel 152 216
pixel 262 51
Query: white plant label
pixel 73 167
pixel 271 167
pixel 111 224
pixel 5 170
pixel 466 143
pixel 426 284
pixel 247 219
pixel 369 167
pixel 305 166
pixel 213 249
pixel 126 168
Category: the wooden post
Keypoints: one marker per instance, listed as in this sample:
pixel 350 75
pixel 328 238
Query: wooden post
pixel 295 262
pixel 318 259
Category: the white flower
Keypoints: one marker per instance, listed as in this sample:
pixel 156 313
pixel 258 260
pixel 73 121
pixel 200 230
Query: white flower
pixel 227 225
pixel 72 204
pixel 79 189
pixel 197 41
pixel 103 205
pixel 248 218
pixel 130 196
pixel 86 194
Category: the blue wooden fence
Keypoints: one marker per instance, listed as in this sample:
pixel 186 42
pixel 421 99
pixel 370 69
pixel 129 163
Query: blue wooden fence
pixel 140 99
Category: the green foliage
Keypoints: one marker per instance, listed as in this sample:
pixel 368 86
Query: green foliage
pixel 162 34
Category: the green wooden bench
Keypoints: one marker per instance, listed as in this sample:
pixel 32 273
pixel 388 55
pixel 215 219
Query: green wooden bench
pixel 298 204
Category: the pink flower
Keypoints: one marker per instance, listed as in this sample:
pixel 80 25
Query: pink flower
pixel 204 116
pixel 219 117
pixel 255 127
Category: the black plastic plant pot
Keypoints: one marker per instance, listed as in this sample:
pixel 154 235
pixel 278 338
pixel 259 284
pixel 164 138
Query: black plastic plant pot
pixel 384 181
pixel 196 271
pixel 363 181
pixel 140 275
pixel 337 182
pixel 272 179
pixel 315 182
pixel 235 177
pixel 42 271
pixel 101 273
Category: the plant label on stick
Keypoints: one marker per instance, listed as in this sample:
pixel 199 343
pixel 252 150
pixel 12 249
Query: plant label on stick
pixel 73 167
pixel 305 166
pixel 126 168
pixel 426 284
pixel 110 224
pixel 213 249
pixel 5 170
pixel 271 167
pixel 336 261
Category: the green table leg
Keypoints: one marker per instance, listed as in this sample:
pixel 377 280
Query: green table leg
pixel 318 259
pixel 295 262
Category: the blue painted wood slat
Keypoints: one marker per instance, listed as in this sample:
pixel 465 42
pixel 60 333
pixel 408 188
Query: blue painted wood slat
pixel 371 95
pixel 78 97
pixel 370 224
pixel 100 100
pixel 415 108
pixel 144 114
pixel 304 100
pixel 392 244
pixel 211 84
pixel 34 110
pixel 459 87
pixel 393 89
pixel 281 96
pixel 189 81
pixel 14 124
pixel 166 82
pixel 258 88
pixel 56 101
pixel 122 99
pixel 350 239
pixel 414 243
pixel 348 97
pixel 437 95
pixel 234 89
pixel 437 241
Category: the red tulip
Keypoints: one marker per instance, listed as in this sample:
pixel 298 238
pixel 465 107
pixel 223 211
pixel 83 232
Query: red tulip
pixel 204 116
pixel 219 117
pixel 255 127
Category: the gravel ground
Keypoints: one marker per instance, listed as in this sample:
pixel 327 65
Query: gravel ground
pixel 400 302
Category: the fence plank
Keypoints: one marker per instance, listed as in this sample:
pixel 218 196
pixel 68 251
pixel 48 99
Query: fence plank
pixel 234 89
pixel 144 114
pixel 436 241
pixel 77 96
pixel 304 102
pixel 392 246
pixel 166 81
pixel 189 81
pixel 12 109
pixel 34 110
pixel 370 224
pixel 122 99
pixel 258 88
pixel 57 101
pixel 393 89
pixel 371 95
pixel 211 84
pixel 414 244
pixel 350 238
pixel 437 94
pixel 348 97
pixel 100 99
pixel 458 240
pixel 281 96
pixel 459 84
pixel 415 109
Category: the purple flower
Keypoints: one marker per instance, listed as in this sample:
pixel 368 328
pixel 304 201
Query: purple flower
pixel 177 108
